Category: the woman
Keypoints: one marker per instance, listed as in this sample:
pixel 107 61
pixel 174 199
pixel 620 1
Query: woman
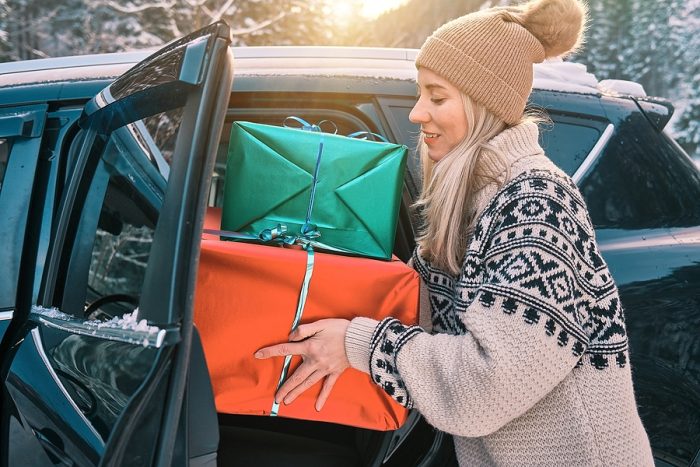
pixel 522 354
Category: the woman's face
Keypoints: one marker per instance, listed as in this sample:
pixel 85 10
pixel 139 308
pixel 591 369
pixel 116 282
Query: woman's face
pixel 440 114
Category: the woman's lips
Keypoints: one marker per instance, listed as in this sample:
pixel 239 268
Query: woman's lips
pixel 430 138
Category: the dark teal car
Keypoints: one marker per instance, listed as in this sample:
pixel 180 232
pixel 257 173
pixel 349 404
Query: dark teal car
pixel 107 165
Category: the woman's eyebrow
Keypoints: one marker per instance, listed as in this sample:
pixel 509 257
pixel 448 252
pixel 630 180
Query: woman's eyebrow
pixel 432 86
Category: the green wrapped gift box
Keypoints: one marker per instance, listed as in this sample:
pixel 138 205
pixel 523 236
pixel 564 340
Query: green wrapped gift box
pixel 270 175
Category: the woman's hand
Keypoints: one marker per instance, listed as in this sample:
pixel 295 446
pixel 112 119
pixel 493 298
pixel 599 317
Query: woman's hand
pixel 321 345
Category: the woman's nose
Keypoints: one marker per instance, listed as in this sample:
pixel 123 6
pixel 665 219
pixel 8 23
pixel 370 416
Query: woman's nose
pixel 418 114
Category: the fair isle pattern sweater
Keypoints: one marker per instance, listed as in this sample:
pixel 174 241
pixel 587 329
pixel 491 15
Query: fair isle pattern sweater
pixel 526 362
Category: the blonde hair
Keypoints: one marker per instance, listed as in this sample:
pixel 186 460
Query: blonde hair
pixel 446 204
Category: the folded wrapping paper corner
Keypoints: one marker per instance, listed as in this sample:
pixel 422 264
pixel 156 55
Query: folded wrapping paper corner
pixel 246 297
pixel 269 177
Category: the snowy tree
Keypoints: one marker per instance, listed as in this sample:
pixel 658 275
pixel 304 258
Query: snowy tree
pixel 253 22
pixel 657 46
pixel 687 125
pixel 36 29
pixel 687 128
pixel 65 27
pixel 5 46
pixel 608 44
pixel 18 20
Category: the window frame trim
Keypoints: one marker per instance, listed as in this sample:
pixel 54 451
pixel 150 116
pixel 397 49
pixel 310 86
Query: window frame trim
pixel 594 154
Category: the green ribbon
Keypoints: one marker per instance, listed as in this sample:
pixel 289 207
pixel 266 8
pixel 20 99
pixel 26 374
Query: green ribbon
pixel 308 232
pixel 297 317
pixel 278 235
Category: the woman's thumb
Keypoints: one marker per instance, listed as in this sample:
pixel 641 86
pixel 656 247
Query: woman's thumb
pixel 303 331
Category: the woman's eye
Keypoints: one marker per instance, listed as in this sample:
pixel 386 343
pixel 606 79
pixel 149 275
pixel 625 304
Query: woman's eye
pixel 437 100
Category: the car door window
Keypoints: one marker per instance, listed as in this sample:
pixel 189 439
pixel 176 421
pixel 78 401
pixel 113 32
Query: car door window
pixel 567 140
pixel 124 200
pixel 104 276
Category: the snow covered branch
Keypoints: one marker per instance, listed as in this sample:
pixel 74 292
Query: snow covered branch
pixel 258 26
pixel 216 15
pixel 138 9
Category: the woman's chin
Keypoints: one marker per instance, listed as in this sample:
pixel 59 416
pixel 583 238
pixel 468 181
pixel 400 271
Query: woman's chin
pixel 435 156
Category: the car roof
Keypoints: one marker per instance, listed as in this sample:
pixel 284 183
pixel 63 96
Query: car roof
pixel 292 61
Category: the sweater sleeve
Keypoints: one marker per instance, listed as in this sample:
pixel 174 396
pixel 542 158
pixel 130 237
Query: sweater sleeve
pixel 520 332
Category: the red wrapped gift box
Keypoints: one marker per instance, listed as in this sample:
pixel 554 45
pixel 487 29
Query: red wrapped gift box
pixel 246 299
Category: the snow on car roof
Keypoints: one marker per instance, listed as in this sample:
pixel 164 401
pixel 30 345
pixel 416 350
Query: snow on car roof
pixel 385 63
pixel 370 62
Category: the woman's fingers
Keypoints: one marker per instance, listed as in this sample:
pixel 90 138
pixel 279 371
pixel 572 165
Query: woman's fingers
pixel 322 346
pixel 298 379
pixel 305 330
pixel 299 388
pixel 326 390
pixel 280 350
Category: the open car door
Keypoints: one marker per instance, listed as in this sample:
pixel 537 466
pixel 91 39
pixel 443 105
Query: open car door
pixel 95 371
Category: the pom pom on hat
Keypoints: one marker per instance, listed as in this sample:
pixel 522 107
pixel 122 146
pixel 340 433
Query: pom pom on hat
pixel 489 54
pixel 557 24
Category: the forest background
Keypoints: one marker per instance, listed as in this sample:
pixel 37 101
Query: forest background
pixel 653 42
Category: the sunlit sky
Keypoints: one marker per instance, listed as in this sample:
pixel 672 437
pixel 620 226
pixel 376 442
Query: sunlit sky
pixel 368 8
pixel 374 8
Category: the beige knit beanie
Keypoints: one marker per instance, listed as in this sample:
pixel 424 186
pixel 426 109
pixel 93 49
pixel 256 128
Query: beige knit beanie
pixel 489 54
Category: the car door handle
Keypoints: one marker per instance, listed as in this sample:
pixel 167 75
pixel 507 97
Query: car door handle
pixel 56 453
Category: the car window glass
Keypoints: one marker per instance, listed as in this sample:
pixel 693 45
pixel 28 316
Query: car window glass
pixel 408 134
pixel 4 157
pixel 121 212
pixel 642 180
pixel 98 375
pixel 122 240
pixel 568 142
pixel 163 128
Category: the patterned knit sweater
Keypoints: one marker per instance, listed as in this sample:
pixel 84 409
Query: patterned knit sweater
pixel 523 355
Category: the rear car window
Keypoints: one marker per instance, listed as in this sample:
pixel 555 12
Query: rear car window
pixel 642 180
pixel 567 142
